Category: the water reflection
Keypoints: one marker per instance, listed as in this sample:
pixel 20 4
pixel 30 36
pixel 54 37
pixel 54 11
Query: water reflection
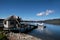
pixel 51 32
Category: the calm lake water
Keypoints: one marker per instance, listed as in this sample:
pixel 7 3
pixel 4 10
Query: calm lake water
pixel 51 32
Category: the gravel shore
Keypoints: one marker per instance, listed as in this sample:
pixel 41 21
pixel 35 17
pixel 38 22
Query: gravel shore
pixel 21 36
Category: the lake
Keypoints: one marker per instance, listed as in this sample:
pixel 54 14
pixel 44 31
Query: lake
pixel 51 32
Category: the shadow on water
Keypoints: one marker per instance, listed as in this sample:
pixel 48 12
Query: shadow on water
pixel 51 32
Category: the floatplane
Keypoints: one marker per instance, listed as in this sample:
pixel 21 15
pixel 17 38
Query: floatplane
pixel 16 24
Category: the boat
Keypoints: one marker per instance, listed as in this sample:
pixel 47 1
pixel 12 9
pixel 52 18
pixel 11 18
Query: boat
pixel 14 24
pixel 41 26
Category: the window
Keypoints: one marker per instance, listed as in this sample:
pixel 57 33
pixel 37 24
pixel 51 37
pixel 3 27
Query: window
pixel 11 22
pixel 4 22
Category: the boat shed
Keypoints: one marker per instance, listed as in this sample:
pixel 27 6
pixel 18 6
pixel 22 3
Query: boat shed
pixel 12 21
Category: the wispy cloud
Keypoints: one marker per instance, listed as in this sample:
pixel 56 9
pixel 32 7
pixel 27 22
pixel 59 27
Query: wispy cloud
pixel 40 14
pixel 47 12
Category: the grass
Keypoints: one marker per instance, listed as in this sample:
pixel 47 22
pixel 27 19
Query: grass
pixel 2 35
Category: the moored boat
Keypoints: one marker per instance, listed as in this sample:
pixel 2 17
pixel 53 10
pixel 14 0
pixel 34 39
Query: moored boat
pixel 13 23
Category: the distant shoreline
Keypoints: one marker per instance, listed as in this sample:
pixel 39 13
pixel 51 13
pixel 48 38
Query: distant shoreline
pixel 52 21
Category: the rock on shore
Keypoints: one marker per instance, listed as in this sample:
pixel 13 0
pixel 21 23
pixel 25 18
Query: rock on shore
pixel 21 36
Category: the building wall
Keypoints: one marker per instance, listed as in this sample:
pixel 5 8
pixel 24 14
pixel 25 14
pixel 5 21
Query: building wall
pixel 1 23
pixel 10 24
pixel 6 25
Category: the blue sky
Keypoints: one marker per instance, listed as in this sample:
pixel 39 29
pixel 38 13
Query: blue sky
pixel 28 9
